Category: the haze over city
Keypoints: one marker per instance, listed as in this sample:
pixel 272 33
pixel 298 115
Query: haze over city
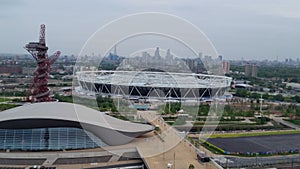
pixel 259 29
pixel 139 84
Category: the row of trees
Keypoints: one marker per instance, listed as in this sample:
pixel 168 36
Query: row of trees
pixel 173 108
pixel 266 96
pixel 103 103
pixel 283 72
pixel 203 110
pixel 232 111
pixel 106 103
pixel 13 93
pixel 289 110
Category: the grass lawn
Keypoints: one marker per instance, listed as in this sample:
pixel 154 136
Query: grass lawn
pixel 6 106
pixel 4 100
pixel 297 122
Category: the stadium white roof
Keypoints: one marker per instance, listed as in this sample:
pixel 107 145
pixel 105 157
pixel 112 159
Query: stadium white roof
pixel 154 79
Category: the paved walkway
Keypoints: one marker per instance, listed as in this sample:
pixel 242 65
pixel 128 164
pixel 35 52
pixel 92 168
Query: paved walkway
pixel 171 147
pixel 286 123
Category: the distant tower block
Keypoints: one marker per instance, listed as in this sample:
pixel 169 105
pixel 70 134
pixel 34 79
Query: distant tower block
pixel 156 53
pixel 38 90
pixel 115 50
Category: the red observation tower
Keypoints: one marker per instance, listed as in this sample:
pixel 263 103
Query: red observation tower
pixel 38 90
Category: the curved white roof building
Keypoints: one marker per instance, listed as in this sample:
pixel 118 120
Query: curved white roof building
pixel 48 116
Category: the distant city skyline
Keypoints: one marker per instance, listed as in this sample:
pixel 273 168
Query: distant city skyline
pixel 249 29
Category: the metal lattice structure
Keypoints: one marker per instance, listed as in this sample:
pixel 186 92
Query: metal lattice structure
pixel 38 90
pixel 161 85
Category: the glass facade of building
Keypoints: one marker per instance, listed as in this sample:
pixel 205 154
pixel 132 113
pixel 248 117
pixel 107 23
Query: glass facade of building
pixel 60 138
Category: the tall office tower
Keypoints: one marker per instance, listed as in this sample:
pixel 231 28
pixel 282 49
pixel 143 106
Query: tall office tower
pixel 248 71
pixel 156 54
pixel 226 66
pixel 115 50
pixel 169 56
pixel 200 55
pixel 220 58
pixel 254 71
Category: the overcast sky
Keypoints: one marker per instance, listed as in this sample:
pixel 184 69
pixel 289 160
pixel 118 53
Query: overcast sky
pixel 249 29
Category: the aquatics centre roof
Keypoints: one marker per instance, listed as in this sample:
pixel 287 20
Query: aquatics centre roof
pixel 111 130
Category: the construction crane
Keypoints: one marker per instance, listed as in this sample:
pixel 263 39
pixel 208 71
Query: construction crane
pixel 38 91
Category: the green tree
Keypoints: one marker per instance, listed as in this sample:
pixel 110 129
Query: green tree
pixel 191 166
pixel 203 109
pixel 172 108
pixel 266 96
pixel 296 98
pixel 255 95
pixel 279 97
pixel 242 93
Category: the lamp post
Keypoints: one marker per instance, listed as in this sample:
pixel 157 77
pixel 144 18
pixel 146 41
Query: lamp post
pixel 164 150
pixel 261 115
pixel 3 89
pixel 169 100
pixel 174 160
pixel 261 101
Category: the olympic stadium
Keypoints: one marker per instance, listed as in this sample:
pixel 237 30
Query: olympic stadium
pixel 161 85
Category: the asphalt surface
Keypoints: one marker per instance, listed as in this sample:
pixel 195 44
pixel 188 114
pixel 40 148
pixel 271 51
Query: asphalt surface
pixel 259 144
pixel 259 162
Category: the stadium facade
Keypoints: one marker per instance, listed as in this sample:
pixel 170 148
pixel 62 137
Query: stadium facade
pixel 153 84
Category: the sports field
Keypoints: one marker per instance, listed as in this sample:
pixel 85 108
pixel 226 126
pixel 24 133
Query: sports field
pixel 259 144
